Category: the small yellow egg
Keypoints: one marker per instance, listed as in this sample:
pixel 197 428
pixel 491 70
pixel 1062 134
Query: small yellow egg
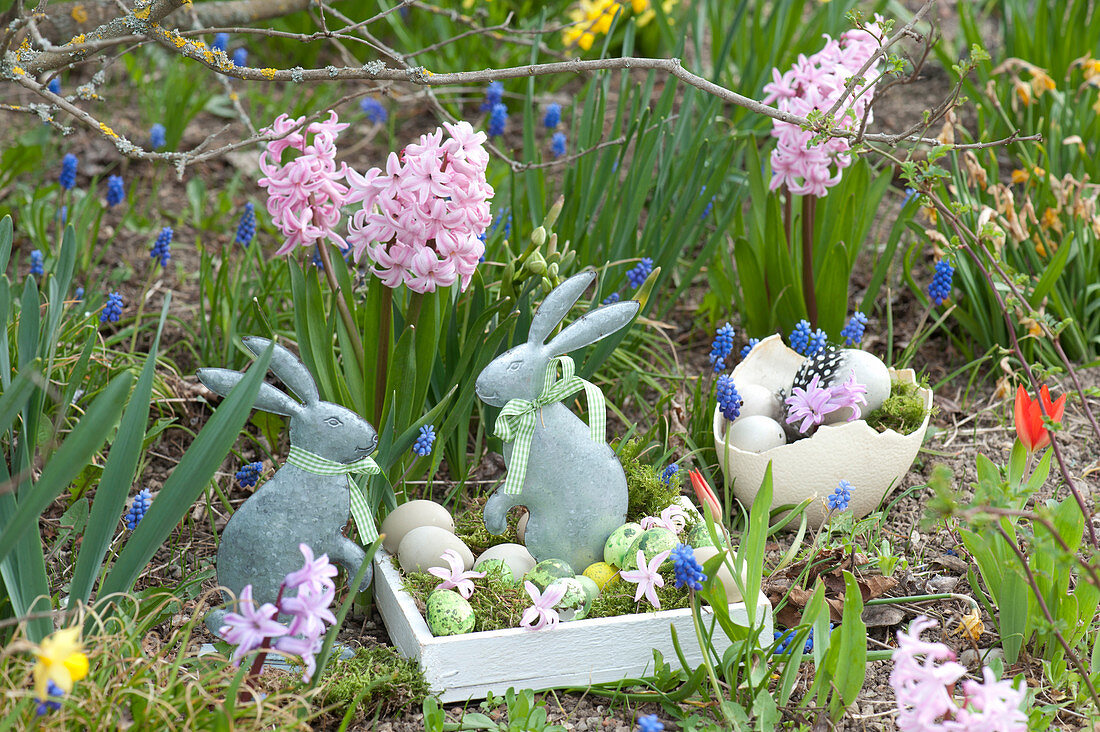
pixel 602 574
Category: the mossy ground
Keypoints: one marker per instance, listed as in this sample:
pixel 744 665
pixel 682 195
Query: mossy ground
pixel 376 681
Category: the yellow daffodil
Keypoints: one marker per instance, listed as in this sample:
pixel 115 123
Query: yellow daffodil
pixel 61 660
pixel 1019 176
pixel 1041 82
pixel 971 625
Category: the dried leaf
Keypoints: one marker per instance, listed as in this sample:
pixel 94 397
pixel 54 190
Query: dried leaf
pixel 882 616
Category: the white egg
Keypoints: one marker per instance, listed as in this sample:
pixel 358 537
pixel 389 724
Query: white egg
pixel 756 433
pixel 516 556
pixel 408 516
pixel 423 547
pixel 870 371
pixel 733 592
pixel 756 399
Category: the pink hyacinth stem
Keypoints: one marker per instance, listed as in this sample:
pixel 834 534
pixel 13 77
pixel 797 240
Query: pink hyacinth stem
pixel 258 664
pixel 342 304
pixel 381 364
pixel 809 203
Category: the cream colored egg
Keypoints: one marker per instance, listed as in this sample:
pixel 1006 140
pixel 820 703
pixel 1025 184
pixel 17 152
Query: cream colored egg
pixel 869 371
pixel 516 556
pixel 758 400
pixel 521 527
pixel 756 433
pixel 423 547
pixel 733 593
pixel 408 516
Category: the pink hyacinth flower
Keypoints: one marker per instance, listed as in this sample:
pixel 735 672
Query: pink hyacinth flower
pixel 542 613
pixel 810 405
pixel 251 626
pixel 455 578
pixel 647 577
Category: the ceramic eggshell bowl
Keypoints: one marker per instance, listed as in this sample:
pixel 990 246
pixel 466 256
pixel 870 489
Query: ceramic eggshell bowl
pixel 872 461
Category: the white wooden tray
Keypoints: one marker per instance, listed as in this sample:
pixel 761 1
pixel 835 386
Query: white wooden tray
pixel 576 653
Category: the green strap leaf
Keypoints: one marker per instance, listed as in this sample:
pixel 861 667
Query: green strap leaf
pixel 188 480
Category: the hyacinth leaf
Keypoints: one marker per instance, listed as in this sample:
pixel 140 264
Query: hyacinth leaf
pixel 1052 270
pixel 67 461
pixel 119 474
pixel 314 332
pixel 189 479
pixel 6 235
pixel 851 671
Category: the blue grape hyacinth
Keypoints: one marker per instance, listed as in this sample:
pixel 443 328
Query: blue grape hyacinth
pixel 729 401
pixel 116 190
pixel 67 179
pixel 249 475
pixel 221 41
pixel 112 311
pixel 552 117
pixel 161 250
pixel 722 347
pixel 138 507
pixel 494 95
pixel 498 120
pixel 54 86
pixel 852 333
pixel 818 340
pixel 423 444
pixel 799 339
pixel 940 287
pixel 649 723
pixel 374 109
pixel 157 138
pixel 79 294
pixel 49 704
pixel 612 298
pixel 240 57
pixel 246 229
pixel 670 470
pixel 839 498
pixel 558 145
pixel 37 260
pixel 638 274
pixel 753 342
pixel 687 570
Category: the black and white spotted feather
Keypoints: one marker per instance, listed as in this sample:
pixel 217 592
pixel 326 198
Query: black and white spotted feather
pixel 825 363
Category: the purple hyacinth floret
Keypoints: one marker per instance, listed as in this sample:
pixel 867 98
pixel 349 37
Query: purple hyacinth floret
pixel 818 340
pixel 162 247
pixel 557 144
pixel 553 116
pixel 800 337
pixel 138 507
pixel 810 405
pixel 841 495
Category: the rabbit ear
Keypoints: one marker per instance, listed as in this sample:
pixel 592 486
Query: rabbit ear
pixel 556 306
pixel 593 326
pixel 270 399
pixel 287 367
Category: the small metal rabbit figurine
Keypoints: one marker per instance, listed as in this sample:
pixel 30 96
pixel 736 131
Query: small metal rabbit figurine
pixel 573 487
pixel 307 501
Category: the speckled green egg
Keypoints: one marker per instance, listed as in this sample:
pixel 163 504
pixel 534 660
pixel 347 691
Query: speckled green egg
pixel 590 587
pixel 698 536
pixel 574 604
pixel 546 571
pixel 650 544
pixel 496 567
pixel 616 546
pixel 449 613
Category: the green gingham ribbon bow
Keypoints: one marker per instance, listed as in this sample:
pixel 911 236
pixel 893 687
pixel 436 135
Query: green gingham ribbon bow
pixel 516 422
pixel 318 465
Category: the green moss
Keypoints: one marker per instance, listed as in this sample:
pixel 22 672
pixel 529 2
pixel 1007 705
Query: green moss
pixel 903 411
pixel 497 604
pixel 648 493
pixel 470 527
pixel 618 598
pixel 377 680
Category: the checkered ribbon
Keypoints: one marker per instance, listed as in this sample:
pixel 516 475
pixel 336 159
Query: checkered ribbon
pixel 318 465
pixel 516 422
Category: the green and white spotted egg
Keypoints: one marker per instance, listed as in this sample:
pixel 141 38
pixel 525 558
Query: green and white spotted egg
pixel 546 571
pixel 590 587
pixel 616 546
pixel 449 613
pixel 497 567
pixel 698 536
pixel 650 544
pixel 574 604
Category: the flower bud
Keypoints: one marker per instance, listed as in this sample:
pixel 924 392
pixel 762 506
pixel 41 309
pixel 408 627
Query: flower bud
pixel 538 236
pixel 553 213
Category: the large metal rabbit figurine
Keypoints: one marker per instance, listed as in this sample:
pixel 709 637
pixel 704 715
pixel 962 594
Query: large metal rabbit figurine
pixel 308 500
pixel 572 485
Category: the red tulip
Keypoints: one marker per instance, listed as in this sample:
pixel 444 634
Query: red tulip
pixel 1029 419
pixel 706 496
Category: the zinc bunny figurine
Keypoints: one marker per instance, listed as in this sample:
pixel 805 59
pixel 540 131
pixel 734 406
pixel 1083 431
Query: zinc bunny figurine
pixel 572 484
pixel 308 500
